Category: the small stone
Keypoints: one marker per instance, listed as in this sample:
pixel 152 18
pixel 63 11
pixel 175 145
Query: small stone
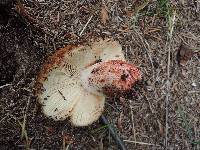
pixel 194 84
pixel 149 88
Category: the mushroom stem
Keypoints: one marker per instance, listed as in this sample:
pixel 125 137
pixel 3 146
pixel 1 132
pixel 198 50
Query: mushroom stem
pixel 115 136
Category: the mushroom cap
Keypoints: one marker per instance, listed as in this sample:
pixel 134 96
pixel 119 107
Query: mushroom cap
pixel 91 107
pixel 59 85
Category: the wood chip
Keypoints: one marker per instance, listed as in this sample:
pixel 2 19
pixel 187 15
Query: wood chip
pixel 104 15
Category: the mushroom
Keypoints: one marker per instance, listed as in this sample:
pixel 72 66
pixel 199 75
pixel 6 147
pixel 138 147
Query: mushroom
pixel 76 79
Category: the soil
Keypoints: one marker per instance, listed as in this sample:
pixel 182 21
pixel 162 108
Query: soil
pixel 140 116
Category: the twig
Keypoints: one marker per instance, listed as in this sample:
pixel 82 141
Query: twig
pixel 150 106
pixel 168 84
pixel 133 125
pixel 23 126
pixel 1 87
pixel 85 25
pixel 4 117
pixel 142 143
pixel 67 147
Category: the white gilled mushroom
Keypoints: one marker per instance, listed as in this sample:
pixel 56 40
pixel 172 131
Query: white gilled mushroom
pixel 75 80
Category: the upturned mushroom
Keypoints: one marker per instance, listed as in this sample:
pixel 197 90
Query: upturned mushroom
pixel 75 80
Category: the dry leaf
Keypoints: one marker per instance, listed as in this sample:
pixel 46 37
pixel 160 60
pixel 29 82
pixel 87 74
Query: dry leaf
pixel 104 15
pixel 184 54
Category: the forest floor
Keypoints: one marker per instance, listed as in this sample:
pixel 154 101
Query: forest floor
pixel 163 113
